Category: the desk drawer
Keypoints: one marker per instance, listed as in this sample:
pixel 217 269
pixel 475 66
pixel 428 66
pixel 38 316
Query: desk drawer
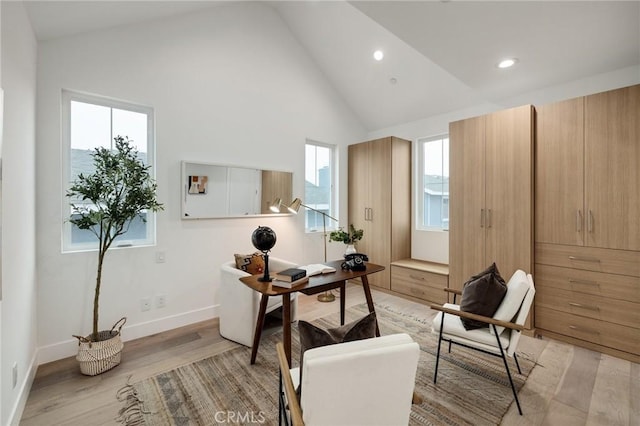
pixel 421 284
pixel 622 287
pixel 586 305
pixel 620 262
pixel 595 331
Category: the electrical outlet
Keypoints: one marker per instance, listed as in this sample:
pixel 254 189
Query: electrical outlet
pixel 161 301
pixel 145 304
pixel 14 375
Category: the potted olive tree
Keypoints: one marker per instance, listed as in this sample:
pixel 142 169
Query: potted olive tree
pixel 105 203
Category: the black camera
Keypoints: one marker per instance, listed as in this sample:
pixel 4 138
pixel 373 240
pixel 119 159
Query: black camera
pixel 355 262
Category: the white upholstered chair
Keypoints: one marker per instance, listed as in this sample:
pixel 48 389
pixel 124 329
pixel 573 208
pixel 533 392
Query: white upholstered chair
pixel 503 331
pixel 363 382
pixel 239 305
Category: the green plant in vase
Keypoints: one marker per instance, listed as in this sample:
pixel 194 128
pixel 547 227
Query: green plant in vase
pixel 349 238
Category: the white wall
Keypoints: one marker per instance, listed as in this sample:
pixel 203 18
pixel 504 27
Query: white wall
pixel 228 85
pixel 18 314
pixel 434 246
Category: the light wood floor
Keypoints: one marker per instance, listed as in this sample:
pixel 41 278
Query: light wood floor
pixel 570 386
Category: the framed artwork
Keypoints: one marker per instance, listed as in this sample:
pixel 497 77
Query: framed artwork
pixel 198 184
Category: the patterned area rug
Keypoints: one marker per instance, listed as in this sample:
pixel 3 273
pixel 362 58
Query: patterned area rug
pixel 472 388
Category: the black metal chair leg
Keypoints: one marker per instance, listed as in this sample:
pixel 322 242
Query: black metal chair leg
pixel 435 374
pixel 517 363
pixel 506 366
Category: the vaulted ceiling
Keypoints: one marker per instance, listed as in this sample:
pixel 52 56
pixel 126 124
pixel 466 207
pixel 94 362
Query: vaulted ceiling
pixel 440 56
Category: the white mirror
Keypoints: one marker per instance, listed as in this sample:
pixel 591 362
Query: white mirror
pixel 222 191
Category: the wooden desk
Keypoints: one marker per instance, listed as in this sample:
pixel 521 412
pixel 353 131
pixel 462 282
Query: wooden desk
pixel 316 284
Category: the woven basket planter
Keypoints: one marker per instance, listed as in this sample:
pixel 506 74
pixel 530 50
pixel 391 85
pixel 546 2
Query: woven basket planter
pixel 98 357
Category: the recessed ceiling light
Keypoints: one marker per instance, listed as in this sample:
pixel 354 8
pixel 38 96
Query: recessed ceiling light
pixel 378 55
pixel 507 63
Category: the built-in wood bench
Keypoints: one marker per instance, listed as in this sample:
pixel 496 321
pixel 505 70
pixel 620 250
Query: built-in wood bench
pixel 421 280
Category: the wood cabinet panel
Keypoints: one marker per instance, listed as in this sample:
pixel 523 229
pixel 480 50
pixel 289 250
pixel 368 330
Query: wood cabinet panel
pixel 586 305
pixel 621 287
pixel 491 194
pixel 424 285
pixel 379 201
pixel 559 189
pixel 509 190
pixel 589 330
pixel 612 169
pixel 621 262
pixel 466 200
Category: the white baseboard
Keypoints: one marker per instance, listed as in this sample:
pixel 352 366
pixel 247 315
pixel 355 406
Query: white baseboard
pixel 69 347
pixel 25 388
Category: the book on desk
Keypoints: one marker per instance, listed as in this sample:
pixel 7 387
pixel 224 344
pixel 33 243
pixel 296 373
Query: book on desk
pixel 289 284
pixel 317 269
pixel 290 275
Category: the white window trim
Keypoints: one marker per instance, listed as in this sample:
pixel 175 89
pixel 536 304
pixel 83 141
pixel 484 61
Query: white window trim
pixel 66 98
pixel 331 224
pixel 419 183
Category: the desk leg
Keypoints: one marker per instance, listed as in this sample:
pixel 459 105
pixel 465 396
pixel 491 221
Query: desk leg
pixel 286 325
pixel 367 295
pixel 342 302
pixel 259 325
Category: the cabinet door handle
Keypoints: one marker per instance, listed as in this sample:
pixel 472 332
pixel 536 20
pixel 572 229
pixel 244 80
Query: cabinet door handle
pixel 481 218
pixel 578 220
pixel 488 218
pixel 584 259
pixel 586 330
pixel 589 307
pixel 370 214
pixel 594 283
pixel 415 277
pixel 590 222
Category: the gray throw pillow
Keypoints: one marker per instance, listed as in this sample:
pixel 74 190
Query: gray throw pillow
pixel 315 337
pixel 482 295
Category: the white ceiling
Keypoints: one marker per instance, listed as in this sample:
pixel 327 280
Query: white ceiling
pixel 442 54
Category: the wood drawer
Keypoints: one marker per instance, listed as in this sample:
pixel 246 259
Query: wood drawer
pixel 587 305
pixel 421 284
pixel 621 262
pixel 603 333
pixel 622 287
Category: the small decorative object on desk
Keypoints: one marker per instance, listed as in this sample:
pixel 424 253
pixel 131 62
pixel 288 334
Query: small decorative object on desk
pixel 348 238
pixel 290 275
pixel 263 238
pixel 355 262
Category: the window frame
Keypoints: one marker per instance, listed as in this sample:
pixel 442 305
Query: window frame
pixel 419 183
pixel 330 223
pixel 68 96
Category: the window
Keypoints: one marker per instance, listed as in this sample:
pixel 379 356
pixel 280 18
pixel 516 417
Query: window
pixel 90 122
pixel 432 198
pixel 318 185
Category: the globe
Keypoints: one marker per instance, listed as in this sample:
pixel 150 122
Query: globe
pixel 263 238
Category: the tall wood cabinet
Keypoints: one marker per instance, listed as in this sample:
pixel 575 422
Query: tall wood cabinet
pixel 491 194
pixel 380 201
pixel 588 221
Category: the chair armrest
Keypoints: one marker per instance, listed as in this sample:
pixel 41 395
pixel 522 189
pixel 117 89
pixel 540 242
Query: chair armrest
pixel 455 292
pixel 289 390
pixel 481 318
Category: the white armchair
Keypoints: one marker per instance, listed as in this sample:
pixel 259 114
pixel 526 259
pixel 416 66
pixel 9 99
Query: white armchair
pixel 239 304
pixel 363 382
